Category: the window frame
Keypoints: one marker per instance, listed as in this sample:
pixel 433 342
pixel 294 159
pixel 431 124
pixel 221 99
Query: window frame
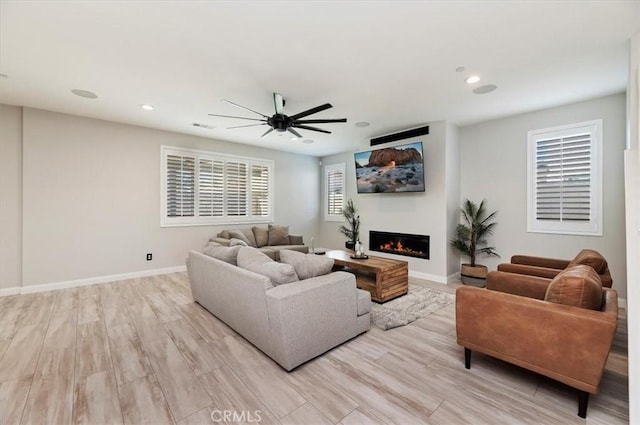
pixel 593 227
pixel 197 220
pixel 325 204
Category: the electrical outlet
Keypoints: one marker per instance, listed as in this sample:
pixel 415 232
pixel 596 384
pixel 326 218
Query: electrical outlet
pixel 149 256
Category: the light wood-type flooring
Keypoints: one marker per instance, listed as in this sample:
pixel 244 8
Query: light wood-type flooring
pixel 141 351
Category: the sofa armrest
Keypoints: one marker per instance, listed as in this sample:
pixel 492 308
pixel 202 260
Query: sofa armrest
pixel 311 316
pixel 565 343
pixel 518 284
pixel 550 263
pixel 295 240
pixel 525 269
pixel 221 241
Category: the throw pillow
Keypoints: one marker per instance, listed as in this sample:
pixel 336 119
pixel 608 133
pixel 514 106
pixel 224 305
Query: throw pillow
pixel 223 253
pixel 307 265
pixel 278 235
pixel 578 286
pixel 237 234
pixel 591 258
pixel 253 260
pixel 224 234
pixel 261 235
pixel 237 242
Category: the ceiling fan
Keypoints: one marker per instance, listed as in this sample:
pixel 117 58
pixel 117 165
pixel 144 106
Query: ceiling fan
pixel 281 122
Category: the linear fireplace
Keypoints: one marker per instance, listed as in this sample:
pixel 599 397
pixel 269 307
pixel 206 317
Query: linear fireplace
pixel 399 243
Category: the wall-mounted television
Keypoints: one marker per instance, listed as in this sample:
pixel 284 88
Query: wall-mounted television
pixel 396 169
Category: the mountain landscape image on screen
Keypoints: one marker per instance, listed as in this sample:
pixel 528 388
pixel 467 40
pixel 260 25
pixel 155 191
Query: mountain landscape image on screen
pixel 396 169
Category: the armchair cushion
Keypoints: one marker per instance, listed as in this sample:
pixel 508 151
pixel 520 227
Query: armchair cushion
pixel 578 286
pixel 592 258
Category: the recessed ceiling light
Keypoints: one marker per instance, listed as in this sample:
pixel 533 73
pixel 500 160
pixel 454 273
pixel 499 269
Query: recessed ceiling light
pixel 472 79
pixel 362 124
pixel 84 93
pixel 460 69
pixel 148 107
pixel 294 138
pixel 307 141
pixel 485 89
pixel 4 76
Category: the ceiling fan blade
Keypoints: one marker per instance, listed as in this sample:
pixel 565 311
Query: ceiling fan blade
pixel 240 118
pixel 267 132
pixel 278 101
pixel 308 127
pixel 248 125
pixel 245 108
pixel 295 133
pixel 320 121
pixel 311 111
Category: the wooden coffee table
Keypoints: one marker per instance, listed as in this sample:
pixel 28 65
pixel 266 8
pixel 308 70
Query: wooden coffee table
pixel 384 278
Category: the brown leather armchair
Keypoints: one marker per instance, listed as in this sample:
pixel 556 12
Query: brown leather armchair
pixel 512 321
pixel 550 267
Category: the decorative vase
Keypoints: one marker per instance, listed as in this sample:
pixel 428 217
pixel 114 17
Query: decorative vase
pixel 474 275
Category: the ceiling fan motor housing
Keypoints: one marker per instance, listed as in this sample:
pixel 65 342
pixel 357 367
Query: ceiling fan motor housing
pixel 279 122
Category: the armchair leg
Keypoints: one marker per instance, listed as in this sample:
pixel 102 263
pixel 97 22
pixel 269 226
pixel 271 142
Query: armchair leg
pixel 583 402
pixel 467 358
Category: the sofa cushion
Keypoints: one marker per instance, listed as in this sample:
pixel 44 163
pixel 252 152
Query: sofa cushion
pixel 278 235
pixel 306 265
pixel 591 258
pixel 223 253
pixel 364 302
pixel 245 235
pixel 237 242
pixel 224 234
pixel 578 286
pixel 261 235
pixel 253 260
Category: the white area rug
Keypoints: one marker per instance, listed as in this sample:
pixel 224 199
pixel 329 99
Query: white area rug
pixel 419 302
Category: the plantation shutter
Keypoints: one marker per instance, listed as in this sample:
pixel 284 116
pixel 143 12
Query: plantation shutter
pixel 260 191
pixel 563 177
pixel 335 191
pixel 237 188
pixel 211 188
pixel 180 192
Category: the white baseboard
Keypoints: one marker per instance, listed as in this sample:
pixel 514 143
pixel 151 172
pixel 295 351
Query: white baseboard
pixel 89 281
pixel 622 302
pixel 14 290
pixel 428 276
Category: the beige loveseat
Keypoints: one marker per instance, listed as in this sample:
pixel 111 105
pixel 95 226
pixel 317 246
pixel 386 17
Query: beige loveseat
pixel 268 239
pixel 291 323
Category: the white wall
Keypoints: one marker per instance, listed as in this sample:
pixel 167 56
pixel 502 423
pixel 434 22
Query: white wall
pixel 10 196
pixel 632 192
pixel 493 166
pixel 419 213
pixel 91 196
pixel 452 171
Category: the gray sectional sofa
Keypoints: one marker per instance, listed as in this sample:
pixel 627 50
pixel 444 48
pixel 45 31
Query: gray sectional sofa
pixel 270 240
pixel 291 323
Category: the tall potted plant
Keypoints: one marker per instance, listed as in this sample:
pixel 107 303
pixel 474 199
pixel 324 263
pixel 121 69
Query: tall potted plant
pixel 471 239
pixel 352 228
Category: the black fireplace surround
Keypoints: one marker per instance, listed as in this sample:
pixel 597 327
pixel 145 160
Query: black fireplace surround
pixel 399 243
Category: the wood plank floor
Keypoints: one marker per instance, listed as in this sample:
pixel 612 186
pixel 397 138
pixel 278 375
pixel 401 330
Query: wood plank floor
pixel 141 351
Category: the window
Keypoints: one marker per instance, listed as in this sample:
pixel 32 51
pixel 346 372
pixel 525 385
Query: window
pixel 565 179
pixel 204 188
pixel 334 192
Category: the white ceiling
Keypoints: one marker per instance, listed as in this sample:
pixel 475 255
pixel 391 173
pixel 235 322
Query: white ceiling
pixel 389 63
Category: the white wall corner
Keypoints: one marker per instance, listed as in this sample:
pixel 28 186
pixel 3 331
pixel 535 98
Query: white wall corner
pixel 428 276
pixel 96 280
